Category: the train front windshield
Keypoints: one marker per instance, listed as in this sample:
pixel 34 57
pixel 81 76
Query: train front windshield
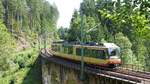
pixel 113 50
pixel 114 53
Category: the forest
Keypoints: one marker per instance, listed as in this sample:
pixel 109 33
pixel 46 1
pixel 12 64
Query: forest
pixel 25 25
pixel 124 22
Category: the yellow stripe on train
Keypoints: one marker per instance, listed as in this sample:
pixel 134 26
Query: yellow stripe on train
pixel 86 59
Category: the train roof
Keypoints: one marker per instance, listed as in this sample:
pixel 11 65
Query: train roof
pixel 58 41
pixel 110 45
pixel 93 46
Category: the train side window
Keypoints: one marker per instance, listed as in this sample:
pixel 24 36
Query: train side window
pixel 96 53
pixel 86 52
pixel 101 54
pixel 58 48
pixel 78 51
pixel 55 48
pixel 90 52
pixel 70 49
pixel 106 54
pixel 65 50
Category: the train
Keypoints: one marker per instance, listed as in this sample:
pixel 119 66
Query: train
pixel 102 54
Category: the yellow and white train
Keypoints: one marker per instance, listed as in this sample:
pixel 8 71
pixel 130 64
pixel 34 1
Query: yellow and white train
pixel 106 54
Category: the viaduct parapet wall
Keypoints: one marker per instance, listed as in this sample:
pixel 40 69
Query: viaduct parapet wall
pixel 53 73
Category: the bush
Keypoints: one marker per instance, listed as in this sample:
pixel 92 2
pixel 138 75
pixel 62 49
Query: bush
pixel 126 53
pixel 7 45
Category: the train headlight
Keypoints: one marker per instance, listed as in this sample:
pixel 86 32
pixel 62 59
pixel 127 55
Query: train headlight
pixel 114 61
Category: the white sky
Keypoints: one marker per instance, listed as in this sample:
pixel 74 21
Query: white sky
pixel 66 9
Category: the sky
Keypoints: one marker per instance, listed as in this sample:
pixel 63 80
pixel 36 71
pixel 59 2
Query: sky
pixel 66 9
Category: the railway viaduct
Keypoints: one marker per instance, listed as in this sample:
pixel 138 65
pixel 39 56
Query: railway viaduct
pixel 60 71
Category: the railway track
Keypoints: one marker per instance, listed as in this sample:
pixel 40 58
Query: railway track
pixel 118 73
pixel 144 75
pixel 130 74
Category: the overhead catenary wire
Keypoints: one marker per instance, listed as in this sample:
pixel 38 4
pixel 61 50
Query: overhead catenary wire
pixel 91 29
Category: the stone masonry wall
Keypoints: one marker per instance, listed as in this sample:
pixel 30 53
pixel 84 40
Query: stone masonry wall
pixel 56 74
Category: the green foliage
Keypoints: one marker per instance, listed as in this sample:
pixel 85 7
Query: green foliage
pixel 1 10
pixel 6 47
pixel 63 32
pixel 124 43
pixel 74 27
pixel 29 17
pixel 24 21
pixel 140 25
pixel 27 69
